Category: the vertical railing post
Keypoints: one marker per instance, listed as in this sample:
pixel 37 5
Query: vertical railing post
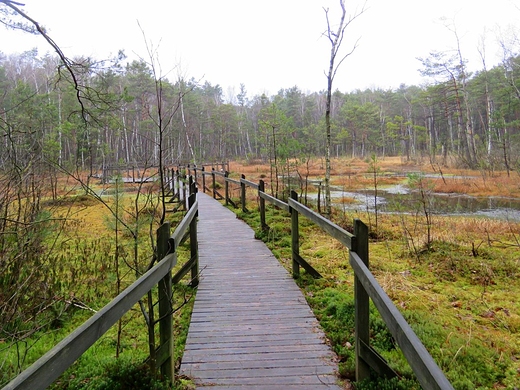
pixel 295 237
pixel 226 186
pixel 192 188
pixel 214 183
pixel 194 246
pixel 203 180
pixel 362 301
pixel 319 198
pixel 243 193
pixel 261 188
pixel 177 185
pixel 165 304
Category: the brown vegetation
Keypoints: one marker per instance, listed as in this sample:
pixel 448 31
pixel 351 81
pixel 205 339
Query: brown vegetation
pixel 355 174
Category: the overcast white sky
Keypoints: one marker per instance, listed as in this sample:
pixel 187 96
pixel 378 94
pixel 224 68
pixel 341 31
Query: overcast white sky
pixel 271 44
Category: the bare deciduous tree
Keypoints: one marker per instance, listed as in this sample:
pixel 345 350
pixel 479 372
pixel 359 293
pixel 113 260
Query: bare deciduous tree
pixel 336 37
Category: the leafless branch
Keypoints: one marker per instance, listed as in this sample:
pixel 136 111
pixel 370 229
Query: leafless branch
pixel 66 61
pixel 336 37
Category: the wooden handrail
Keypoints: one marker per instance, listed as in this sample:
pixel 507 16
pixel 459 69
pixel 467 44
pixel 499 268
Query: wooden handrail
pixel 271 199
pixel 331 228
pixel 249 183
pixel 230 180
pixel 184 225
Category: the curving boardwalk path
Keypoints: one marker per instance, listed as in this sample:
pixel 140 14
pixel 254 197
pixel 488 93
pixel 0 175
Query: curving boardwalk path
pixel 251 327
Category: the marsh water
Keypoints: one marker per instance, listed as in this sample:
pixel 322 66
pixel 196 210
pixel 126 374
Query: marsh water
pixel 400 198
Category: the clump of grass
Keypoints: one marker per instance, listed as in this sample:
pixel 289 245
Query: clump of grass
pixel 112 374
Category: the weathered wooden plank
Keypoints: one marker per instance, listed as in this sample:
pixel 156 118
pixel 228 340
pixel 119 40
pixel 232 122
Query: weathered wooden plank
pixel 269 372
pixel 265 386
pixel 303 363
pixel 274 378
pixel 283 355
pixel 252 340
pixel 227 313
pixel 251 326
pixel 249 183
pixel 277 202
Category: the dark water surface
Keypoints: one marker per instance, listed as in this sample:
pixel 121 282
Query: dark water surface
pixel 399 198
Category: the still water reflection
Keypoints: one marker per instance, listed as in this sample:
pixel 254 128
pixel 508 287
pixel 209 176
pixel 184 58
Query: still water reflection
pixel 400 199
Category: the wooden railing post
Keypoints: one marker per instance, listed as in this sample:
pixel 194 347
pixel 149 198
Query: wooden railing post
pixel 192 187
pixel 362 301
pixel 165 305
pixel 177 185
pixel 319 198
pixel 226 186
pixel 194 246
pixel 295 237
pixel 243 194
pixel 261 188
pixel 214 183
pixel 203 180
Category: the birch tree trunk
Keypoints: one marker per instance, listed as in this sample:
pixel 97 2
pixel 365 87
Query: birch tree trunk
pixel 336 39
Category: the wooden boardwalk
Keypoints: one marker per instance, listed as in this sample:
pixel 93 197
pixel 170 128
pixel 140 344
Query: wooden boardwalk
pixel 251 327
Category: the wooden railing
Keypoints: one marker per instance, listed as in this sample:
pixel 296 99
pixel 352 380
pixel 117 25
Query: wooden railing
pixel 50 366
pixel 366 286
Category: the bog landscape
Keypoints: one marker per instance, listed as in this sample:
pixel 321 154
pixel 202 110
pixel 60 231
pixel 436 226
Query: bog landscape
pixel 98 156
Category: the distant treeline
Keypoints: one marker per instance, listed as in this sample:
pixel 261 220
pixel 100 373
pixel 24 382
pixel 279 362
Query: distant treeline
pixel 130 115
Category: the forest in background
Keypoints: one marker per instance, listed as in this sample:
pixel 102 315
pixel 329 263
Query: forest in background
pixel 460 119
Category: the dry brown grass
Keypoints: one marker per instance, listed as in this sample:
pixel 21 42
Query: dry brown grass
pixel 479 186
pixel 355 174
